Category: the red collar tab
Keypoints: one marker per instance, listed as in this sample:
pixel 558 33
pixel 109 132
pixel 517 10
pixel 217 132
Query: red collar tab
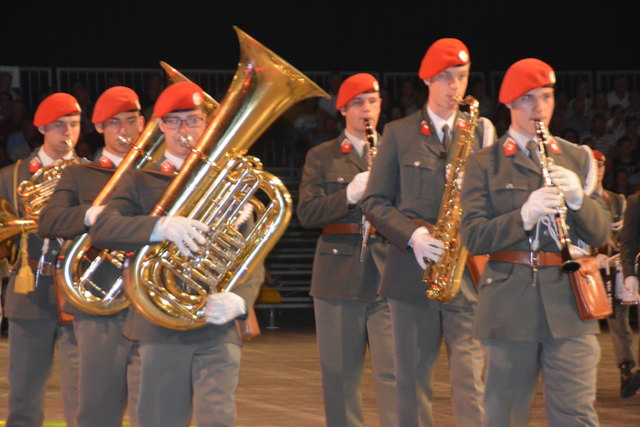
pixel 606 196
pixel 424 128
pixel 346 146
pixel 106 162
pixel 510 147
pixel 167 167
pixel 34 165
pixel 554 146
pixel 462 124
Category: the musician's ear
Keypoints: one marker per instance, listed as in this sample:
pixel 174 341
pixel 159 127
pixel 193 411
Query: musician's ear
pixel 427 82
pixel 99 127
pixel 508 105
pixel 41 129
pixel 343 111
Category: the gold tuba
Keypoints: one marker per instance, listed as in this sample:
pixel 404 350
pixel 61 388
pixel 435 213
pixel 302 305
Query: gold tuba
pixel 212 186
pixel 443 278
pixel 78 261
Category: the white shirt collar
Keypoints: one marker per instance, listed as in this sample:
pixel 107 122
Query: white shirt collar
pixel 46 160
pixel 439 122
pixel 116 160
pixel 175 160
pixel 357 143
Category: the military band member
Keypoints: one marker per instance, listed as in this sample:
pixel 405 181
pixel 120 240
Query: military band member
pixel 108 361
pixel 404 192
pixel 34 329
pixel 527 316
pixel 349 313
pixel 629 247
pixel 180 370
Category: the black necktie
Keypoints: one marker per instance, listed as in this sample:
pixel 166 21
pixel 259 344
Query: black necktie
pixel 446 137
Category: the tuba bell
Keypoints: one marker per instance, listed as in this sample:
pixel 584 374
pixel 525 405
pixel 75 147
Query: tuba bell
pixel 443 278
pixel 214 183
pixel 78 261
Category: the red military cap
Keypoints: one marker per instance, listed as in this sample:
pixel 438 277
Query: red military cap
pixel 114 101
pixel 55 106
pixel 442 54
pixel 597 154
pixel 354 86
pixel 524 76
pixel 178 96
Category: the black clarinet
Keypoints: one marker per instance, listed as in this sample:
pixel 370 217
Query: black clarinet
pixel 365 225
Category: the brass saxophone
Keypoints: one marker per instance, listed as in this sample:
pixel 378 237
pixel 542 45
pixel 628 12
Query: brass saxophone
pixel 560 217
pixel 171 290
pixel 442 279
pixel 78 261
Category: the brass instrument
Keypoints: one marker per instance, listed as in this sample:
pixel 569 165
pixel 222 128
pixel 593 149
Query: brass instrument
pixel 365 225
pixel 171 290
pixel 443 278
pixel 559 218
pixel 76 267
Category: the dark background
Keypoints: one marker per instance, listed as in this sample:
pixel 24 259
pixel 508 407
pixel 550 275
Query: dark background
pixel 319 35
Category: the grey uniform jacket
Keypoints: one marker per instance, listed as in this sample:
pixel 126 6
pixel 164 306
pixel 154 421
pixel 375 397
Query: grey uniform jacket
pixel 39 304
pixel 64 215
pixel 124 225
pixel 407 182
pixel 337 270
pixel 512 306
pixel 630 235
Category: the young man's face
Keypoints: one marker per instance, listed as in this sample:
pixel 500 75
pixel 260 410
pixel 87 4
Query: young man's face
pixel 61 136
pixel 536 104
pixel 120 131
pixel 445 86
pixel 182 130
pixel 364 106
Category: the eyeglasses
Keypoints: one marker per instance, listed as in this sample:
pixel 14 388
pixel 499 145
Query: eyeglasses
pixel 174 123
pixel 118 123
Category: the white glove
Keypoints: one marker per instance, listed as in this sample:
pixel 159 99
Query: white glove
pixel 544 201
pixel 356 187
pixel 245 213
pixel 91 214
pixel 222 307
pixel 425 246
pixel 603 261
pixel 185 233
pixel 569 183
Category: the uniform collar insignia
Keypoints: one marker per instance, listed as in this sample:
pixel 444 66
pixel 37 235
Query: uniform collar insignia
pixel 346 146
pixel 167 167
pixel 34 164
pixel 554 146
pixel 510 147
pixel 606 196
pixel 106 162
pixel 424 128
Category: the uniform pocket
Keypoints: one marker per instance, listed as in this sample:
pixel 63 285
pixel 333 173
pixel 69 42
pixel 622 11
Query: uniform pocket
pixel 422 176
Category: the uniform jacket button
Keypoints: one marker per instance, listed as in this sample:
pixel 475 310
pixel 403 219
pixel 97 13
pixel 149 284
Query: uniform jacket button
pixel 416 163
pixel 334 251
pixel 340 179
pixel 509 186
pixel 489 280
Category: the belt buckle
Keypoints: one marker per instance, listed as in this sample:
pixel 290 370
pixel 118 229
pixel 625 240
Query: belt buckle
pixel 534 258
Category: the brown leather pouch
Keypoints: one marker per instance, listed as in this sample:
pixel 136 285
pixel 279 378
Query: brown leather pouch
pixel 249 328
pixel 589 290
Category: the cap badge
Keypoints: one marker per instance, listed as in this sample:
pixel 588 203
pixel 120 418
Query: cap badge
pixel 463 56
pixel 376 86
pixel 196 98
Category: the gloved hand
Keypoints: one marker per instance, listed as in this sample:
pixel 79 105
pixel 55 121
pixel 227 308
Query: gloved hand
pixel 425 246
pixel 91 214
pixel 569 183
pixel 223 307
pixel 356 187
pixel 603 261
pixel 245 214
pixel 617 226
pixel 185 233
pixel 631 285
pixel 541 202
